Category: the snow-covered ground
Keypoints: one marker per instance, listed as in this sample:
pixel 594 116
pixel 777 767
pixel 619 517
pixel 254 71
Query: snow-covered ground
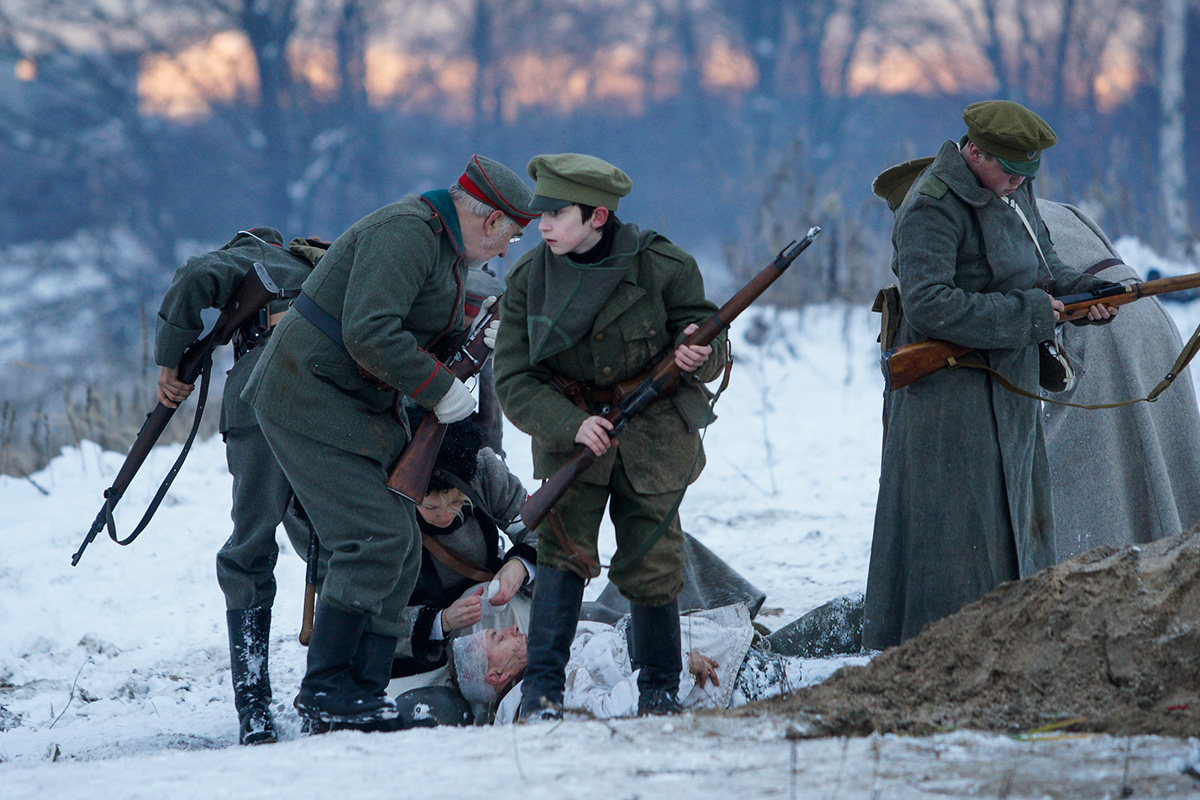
pixel 114 677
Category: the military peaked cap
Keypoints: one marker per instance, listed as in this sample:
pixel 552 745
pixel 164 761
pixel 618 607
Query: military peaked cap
pixel 1011 132
pixel 566 178
pixel 495 184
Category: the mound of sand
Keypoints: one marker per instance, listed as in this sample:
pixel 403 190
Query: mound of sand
pixel 1108 641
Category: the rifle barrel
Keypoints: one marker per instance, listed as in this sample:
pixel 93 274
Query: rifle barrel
pixel 911 362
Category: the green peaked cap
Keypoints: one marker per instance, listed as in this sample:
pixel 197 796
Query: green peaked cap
pixel 566 178
pixel 1011 132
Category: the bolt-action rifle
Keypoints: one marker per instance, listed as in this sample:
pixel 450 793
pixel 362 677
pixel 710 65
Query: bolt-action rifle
pixel 538 505
pixel 255 291
pixel 910 362
pixel 410 474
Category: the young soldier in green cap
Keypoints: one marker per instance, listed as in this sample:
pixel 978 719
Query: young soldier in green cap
pixel 591 308
pixel 328 391
pixel 964 494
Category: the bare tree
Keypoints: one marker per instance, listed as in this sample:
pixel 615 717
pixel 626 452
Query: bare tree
pixel 1172 161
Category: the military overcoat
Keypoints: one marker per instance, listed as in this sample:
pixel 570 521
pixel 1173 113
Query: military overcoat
pixel 964 495
pixel 209 281
pixel 395 283
pixel 660 293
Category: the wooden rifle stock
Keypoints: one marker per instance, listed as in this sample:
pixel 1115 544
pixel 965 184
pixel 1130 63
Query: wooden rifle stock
pixel 310 588
pixel 255 291
pixel 538 505
pixel 410 474
pixel 910 362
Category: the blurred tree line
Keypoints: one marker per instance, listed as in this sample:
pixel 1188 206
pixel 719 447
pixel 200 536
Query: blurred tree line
pixel 142 131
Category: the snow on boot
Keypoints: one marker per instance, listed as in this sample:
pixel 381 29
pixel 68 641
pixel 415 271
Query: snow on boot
pixel 654 651
pixel 557 597
pixel 249 643
pixel 329 693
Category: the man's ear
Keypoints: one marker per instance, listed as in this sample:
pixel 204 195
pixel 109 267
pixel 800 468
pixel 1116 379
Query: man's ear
pixel 497 677
pixel 599 217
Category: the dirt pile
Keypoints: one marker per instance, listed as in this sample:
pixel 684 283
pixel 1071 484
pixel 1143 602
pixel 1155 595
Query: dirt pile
pixel 1109 639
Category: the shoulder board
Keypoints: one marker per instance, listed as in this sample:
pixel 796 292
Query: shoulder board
pixel 934 187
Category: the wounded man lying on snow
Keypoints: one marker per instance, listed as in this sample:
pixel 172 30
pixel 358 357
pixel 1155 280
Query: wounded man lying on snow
pixel 720 667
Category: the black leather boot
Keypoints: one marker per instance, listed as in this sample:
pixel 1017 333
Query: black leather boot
pixel 654 651
pixel 329 692
pixel 557 596
pixel 373 662
pixel 249 640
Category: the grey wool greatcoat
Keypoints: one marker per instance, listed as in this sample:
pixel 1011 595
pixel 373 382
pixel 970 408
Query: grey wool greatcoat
pixel 964 491
pixel 209 281
pixel 1140 478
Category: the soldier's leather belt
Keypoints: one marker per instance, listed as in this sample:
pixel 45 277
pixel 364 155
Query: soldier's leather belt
pixel 587 396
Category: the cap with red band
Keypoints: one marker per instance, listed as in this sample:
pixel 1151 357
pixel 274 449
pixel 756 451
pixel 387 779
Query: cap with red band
pixel 495 184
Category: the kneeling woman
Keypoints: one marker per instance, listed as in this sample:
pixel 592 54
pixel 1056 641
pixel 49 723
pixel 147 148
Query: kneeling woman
pixel 472 497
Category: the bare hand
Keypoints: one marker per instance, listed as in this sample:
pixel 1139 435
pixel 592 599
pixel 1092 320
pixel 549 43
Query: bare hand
pixel 704 668
pixel 593 434
pixel 171 390
pixel 690 357
pixel 511 576
pixel 1095 313
pixel 463 612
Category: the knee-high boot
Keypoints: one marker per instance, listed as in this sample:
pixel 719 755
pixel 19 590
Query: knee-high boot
pixel 373 662
pixel 329 692
pixel 557 596
pixel 249 643
pixel 654 651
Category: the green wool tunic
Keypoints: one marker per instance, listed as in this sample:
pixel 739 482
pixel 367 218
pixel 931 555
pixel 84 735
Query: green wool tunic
pixel 395 282
pixel 659 293
pixel 964 492
pixel 209 281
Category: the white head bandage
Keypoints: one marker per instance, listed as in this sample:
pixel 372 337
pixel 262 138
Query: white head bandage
pixel 471 666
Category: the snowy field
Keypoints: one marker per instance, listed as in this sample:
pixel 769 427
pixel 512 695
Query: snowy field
pixel 114 675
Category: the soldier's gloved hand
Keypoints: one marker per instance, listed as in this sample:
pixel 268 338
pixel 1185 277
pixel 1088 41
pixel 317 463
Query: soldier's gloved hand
pixel 493 327
pixel 456 404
